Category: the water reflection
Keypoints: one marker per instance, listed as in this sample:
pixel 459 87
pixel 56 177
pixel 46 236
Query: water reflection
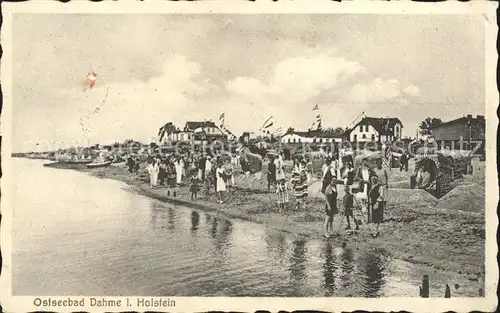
pixel 347 267
pixel 222 236
pixel 374 267
pixel 329 269
pixel 171 218
pixel 276 244
pixel 195 221
pixel 298 265
pixel 157 215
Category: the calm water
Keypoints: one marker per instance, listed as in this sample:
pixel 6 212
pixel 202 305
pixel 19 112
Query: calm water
pixel 79 235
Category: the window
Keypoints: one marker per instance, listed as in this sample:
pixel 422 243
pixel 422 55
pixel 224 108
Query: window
pixel 314 140
pixel 355 137
pixel 361 128
pixel 299 140
pixel 373 137
pixel 294 140
pixel 289 140
pixel 366 128
pixel 320 140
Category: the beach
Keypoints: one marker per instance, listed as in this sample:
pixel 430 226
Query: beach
pixel 417 228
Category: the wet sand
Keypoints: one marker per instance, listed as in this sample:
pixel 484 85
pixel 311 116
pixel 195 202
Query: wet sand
pixel 415 228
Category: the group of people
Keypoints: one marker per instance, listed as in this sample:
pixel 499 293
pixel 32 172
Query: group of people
pixel 169 171
pixel 365 189
pixel 369 195
pixel 203 170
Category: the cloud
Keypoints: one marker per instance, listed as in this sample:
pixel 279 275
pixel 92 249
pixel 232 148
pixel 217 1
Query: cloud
pixel 412 90
pixel 136 109
pixel 298 79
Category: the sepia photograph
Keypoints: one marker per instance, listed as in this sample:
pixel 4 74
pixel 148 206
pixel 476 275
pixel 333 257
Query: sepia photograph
pixel 151 157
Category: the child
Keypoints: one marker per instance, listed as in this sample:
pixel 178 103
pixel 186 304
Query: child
pixel 194 187
pixel 282 194
pixel 348 206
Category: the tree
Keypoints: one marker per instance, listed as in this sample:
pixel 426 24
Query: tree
pixel 290 130
pixel 425 125
pixel 168 129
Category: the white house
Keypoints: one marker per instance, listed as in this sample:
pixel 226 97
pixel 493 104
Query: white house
pixel 376 129
pixel 309 137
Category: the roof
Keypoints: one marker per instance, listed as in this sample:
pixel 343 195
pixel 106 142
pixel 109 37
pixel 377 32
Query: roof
pixel 463 120
pixel 384 126
pixel 195 125
pixel 315 134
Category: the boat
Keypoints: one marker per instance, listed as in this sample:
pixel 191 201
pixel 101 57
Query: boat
pixel 99 164
pixel 81 161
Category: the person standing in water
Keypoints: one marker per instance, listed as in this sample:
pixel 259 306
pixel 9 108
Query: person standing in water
pixel 330 206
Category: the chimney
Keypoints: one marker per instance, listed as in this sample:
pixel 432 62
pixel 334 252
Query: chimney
pixel 469 116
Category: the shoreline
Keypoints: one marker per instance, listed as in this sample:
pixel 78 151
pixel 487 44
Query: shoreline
pixel 415 230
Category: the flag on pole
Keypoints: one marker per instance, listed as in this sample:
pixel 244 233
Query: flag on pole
pixel 221 118
pixel 89 81
pixel 316 108
pixel 268 123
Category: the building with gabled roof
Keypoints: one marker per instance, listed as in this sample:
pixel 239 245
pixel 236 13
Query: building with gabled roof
pixel 376 129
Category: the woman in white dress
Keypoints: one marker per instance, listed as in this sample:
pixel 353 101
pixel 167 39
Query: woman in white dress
pixel 220 181
pixel 153 170
pixel 179 170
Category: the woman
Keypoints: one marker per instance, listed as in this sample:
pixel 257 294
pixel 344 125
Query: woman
pixel 330 206
pixel 228 168
pixel 376 204
pixel 152 173
pixel 162 174
pixel 171 174
pixel 282 194
pixel 363 176
pixel 299 178
pixel 179 169
pixel 280 167
pixel 220 181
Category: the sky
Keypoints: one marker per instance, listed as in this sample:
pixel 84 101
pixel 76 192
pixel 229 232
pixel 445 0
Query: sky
pixel 154 69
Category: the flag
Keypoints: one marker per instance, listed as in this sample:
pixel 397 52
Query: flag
pixel 268 123
pixel 316 108
pixel 221 118
pixel 89 81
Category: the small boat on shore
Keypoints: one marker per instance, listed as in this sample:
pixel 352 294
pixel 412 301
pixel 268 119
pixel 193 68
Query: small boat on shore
pixel 82 161
pixel 99 164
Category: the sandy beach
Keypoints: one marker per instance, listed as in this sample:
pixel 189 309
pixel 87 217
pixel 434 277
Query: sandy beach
pixel 418 228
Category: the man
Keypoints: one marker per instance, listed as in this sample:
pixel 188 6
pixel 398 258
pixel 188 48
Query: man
pixel 271 173
pixel 330 206
pixel 202 162
pixel 403 161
